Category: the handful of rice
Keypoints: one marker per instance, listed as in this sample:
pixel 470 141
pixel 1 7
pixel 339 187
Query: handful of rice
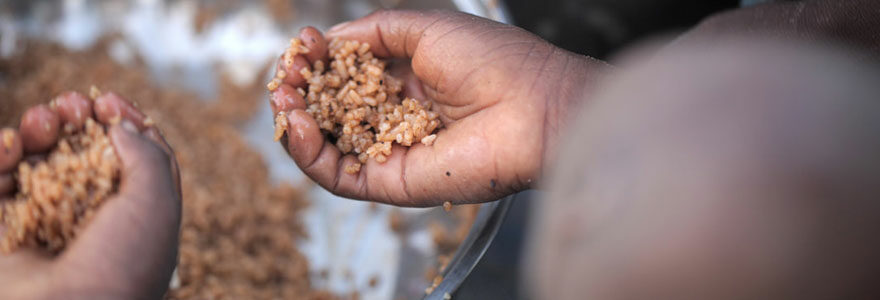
pixel 356 102
pixel 57 197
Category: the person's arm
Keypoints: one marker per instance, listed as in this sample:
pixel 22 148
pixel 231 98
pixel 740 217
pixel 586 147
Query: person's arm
pixel 744 170
pixel 854 23
pixel 728 165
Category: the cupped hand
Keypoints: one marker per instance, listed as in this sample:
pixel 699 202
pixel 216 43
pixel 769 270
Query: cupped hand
pixel 129 249
pixel 501 92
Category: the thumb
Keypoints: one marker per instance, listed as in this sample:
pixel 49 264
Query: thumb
pixel 132 240
pixel 460 58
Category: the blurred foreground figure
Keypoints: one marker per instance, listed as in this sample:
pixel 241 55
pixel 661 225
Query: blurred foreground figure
pixel 726 167
pixel 749 169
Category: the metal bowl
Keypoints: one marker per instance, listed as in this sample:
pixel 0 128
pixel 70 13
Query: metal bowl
pixel 350 241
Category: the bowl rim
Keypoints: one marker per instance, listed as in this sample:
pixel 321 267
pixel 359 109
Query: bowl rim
pixel 474 247
pixel 491 214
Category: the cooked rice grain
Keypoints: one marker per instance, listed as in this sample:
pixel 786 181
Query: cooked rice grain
pixel 359 104
pixel 353 168
pixel 281 125
pixel 57 197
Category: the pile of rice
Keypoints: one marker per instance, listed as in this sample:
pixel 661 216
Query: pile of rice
pixel 358 103
pixel 58 196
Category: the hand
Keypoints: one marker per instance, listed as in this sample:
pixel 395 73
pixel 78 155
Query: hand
pixel 501 92
pixel 129 249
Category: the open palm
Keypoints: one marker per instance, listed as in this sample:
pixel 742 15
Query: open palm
pixel 498 89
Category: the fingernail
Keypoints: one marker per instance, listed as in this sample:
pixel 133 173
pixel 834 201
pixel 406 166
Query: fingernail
pixel 128 126
pixel 115 120
pixel 338 27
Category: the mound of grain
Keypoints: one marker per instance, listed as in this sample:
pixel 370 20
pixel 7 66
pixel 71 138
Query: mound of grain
pixel 358 104
pixel 58 196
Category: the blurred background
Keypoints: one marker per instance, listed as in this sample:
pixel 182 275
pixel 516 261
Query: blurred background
pixel 598 28
pixel 202 65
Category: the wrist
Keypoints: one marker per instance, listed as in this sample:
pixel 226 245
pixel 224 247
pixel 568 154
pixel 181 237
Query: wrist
pixel 579 78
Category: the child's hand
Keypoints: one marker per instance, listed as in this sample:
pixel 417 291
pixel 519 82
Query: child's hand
pixel 501 92
pixel 129 249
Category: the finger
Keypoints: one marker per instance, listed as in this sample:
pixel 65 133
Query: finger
pixel 324 163
pixel 293 77
pixel 110 108
pixel 423 176
pixel 73 108
pixel 315 42
pixel 415 176
pixel 157 138
pixel 348 185
pixel 321 160
pixel 285 98
pixel 379 182
pixel 384 182
pixel 134 235
pixel 11 153
pixel 390 33
pixel 39 129
pixel 455 55
pixel 154 135
pixel 400 33
pixel 308 148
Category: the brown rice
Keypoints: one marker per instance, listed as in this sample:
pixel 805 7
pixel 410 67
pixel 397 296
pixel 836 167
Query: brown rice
pixel 358 103
pixel 57 197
